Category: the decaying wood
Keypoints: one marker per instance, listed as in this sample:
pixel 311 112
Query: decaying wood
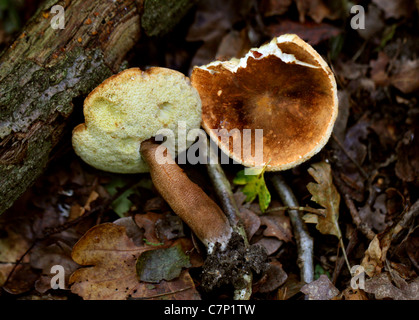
pixel 46 68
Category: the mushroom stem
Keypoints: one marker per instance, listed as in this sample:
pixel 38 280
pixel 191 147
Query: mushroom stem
pixel 187 199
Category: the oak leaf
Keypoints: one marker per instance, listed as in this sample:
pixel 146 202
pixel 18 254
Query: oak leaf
pixel 325 194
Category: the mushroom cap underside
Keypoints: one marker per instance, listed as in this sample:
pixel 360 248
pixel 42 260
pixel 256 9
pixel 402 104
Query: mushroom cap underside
pixel 284 88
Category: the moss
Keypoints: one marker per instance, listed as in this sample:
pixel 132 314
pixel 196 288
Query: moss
pixel 30 100
pixel 171 12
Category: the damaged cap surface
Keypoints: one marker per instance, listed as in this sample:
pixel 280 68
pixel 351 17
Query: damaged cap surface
pixel 284 88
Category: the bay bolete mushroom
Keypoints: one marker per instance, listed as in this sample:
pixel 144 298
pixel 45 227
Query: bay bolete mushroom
pixel 284 88
pixel 122 114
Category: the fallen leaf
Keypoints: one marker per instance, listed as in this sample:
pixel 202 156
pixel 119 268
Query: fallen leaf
pixel 321 289
pixel 351 294
pixel 312 32
pixel 396 8
pixel 379 69
pixel 407 165
pixel 110 273
pixel 318 10
pixel 169 227
pixel 406 78
pixel 382 287
pixel 375 255
pixel 325 194
pixel 12 247
pixel 161 264
pixel 148 222
pixel 234 44
pixel 251 221
pixel 45 258
pixel 278 226
pixel 271 245
pixel 275 277
pixel 133 231
pixel 375 217
pixel 271 8
pixel 213 20
pixel 290 288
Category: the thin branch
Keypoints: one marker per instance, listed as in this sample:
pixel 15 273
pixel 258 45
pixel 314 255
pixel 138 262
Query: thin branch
pixel 304 240
pixel 224 192
pixel 341 261
pixel 319 212
pixel 361 226
pixel 161 294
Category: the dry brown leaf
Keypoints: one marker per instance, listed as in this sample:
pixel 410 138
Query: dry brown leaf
pixel 12 248
pixel 251 221
pixel 111 274
pixel 406 78
pixel 45 258
pixel 396 8
pixel 317 10
pixel 379 69
pixel 278 226
pixel 375 255
pixel 383 288
pixel 312 32
pixel 148 222
pixel 270 244
pixel 351 294
pixel 274 7
pixel 275 277
pixel 321 289
pixel 325 194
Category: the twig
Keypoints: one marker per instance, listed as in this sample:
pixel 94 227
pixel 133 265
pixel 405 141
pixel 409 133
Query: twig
pixel 225 194
pixel 304 240
pixel 362 227
pixel 161 294
pixel 339 264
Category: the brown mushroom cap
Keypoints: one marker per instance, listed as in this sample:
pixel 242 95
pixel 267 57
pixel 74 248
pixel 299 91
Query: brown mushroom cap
pixel 284 88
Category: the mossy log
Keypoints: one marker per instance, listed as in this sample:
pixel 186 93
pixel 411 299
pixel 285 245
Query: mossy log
pixel 46 68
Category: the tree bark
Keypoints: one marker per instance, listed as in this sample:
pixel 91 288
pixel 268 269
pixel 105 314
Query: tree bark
pixel 45 69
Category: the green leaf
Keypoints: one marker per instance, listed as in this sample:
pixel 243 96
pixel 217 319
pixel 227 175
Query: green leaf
pixel 254 186
pixel 161 264
pixel 123 204
pixel 318 271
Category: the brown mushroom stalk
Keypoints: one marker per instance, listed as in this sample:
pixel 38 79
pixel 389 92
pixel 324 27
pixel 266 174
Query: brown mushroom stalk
pixel 187 199
pixel 123 114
